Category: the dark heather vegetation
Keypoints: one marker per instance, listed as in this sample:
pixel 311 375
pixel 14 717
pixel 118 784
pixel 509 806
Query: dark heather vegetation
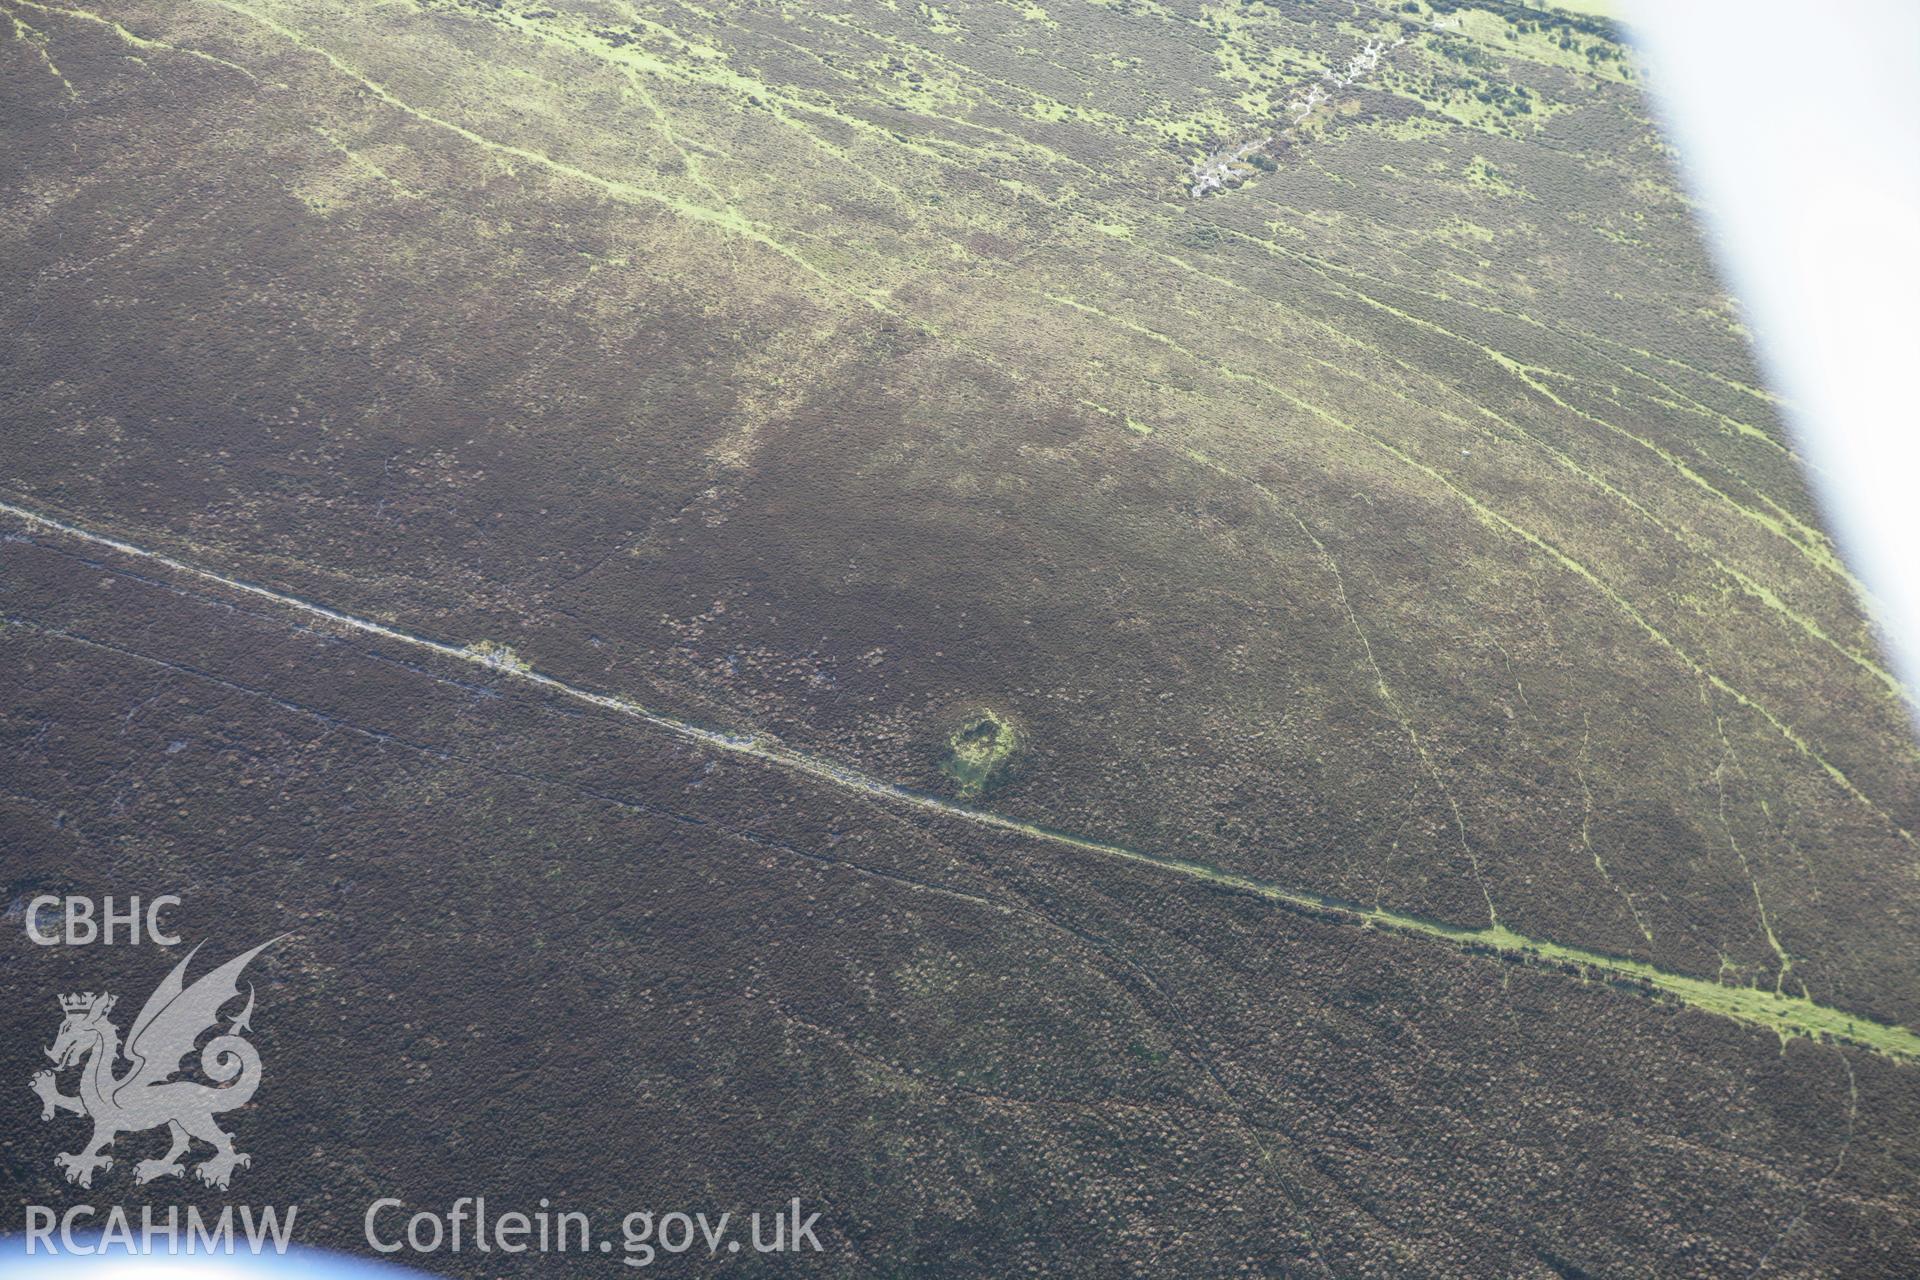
pixel 1285 732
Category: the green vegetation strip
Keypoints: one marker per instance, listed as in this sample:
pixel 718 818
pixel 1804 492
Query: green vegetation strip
pixel 1787 1016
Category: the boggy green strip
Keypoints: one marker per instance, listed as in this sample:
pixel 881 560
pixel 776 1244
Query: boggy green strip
pixel 1787 1016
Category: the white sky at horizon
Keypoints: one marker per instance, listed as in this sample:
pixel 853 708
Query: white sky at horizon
pixel 1798 128
pixel 300 1261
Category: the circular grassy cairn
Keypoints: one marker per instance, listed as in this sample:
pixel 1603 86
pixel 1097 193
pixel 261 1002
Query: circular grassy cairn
pixel 978 751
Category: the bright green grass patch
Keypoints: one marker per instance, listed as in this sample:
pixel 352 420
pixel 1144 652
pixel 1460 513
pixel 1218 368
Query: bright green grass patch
pixel 491 653
pixel 978 751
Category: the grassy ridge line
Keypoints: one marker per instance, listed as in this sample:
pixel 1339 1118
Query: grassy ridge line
pixel 1785 1015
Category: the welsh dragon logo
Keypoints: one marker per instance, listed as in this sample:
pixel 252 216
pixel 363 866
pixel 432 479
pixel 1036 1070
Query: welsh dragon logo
pixel 146 1095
